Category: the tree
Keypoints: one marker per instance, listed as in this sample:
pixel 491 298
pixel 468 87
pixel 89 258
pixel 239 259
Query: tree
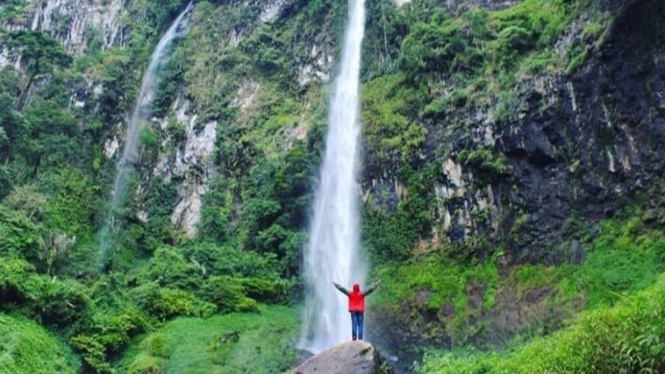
pixel 11 127
pixel 50 137
pixel 6 184
pixel 42 53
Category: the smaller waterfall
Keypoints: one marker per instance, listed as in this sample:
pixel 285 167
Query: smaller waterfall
pixel 141 114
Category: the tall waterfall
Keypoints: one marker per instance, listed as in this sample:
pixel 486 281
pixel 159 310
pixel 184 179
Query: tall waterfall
pixel 141 114
pixel 333 251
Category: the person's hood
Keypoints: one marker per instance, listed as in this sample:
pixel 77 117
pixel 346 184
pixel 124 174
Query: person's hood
pixel 356 287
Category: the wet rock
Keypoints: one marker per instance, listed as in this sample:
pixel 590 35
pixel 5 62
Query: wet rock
pixel 577 254
pixel 650 216
pixel 302 356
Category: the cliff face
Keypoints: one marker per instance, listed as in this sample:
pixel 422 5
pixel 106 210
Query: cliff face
pixel 560 157
pixel 74 23
pixel 590 143
pixel 583 144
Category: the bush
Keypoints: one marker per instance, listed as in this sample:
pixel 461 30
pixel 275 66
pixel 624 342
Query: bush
pixel 164 303
pixel 513 41
pixel 169 268
pixel 155 345
pixel 257 343
pixel 61 303
pixel 105 334
pixel 264 290
pixel 74 200
pixel 93 353
pixel 18 235
pixel 144 364
pixel 228 259
pixel 433 47
pixel 6 184
pixel 228 294
pixel 486 162
pixel 148 137
pixel 27 201
pixel 16 281
pixel 55 303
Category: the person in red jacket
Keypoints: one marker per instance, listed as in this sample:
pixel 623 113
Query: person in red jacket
pixel 357 307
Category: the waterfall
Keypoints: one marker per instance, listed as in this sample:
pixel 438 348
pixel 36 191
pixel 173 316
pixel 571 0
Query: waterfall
pixel 141 114
pixel 332 253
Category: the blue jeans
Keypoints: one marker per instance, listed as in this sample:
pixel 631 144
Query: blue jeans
pixel 357 320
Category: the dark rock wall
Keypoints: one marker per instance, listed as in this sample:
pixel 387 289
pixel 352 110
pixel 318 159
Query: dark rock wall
pixel 598 145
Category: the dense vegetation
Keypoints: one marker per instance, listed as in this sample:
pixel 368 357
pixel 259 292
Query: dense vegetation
pixel 163 300
pixel 626 337
pixel 241 343
pixel 28 348
pixel 54 201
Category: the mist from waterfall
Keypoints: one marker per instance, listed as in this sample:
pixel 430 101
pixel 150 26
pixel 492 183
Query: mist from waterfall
pixel 332 253
pixel 141 114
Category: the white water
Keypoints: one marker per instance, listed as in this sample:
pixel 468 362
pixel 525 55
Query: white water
pixel 332 253
pixel 141 114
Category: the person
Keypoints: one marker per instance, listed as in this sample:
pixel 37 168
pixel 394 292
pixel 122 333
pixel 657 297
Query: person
pixel 357 307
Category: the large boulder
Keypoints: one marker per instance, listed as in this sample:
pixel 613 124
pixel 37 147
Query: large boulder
pixel 356 357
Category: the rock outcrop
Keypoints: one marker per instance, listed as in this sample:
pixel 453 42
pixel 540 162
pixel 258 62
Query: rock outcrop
pixel 583 146
pixel 356 357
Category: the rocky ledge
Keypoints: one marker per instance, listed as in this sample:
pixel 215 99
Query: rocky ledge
pixel 356 357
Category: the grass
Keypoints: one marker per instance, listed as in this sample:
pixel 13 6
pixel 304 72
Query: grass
pixel 25 347
pixel 443 279
pixel 232 343
pixel 630 336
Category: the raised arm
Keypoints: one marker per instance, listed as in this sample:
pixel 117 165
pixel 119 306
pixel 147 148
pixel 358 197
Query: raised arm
pixel 372 288
pixel 341 289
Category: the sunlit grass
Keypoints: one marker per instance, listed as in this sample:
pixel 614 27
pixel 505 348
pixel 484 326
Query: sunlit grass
pixel 233 343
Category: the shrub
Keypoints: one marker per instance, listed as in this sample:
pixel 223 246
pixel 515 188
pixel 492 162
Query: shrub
pixel 169 268
pixel 61 303
pixel 16 281
pixel 148 137
pixel 93 353
pixel 144 364
pixel 512 41
pixel 72 206
pixel 486 162
pixel 227 293
pixel 164 303
pixel 458 98
pixel 18 235
pixel 155 345
pixel 53 302
pixel 105 334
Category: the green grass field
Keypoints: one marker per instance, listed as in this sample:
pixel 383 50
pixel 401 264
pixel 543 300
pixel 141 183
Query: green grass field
pixel 233 343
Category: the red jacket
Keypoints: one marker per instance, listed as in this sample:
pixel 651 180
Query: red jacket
pixel 356 298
